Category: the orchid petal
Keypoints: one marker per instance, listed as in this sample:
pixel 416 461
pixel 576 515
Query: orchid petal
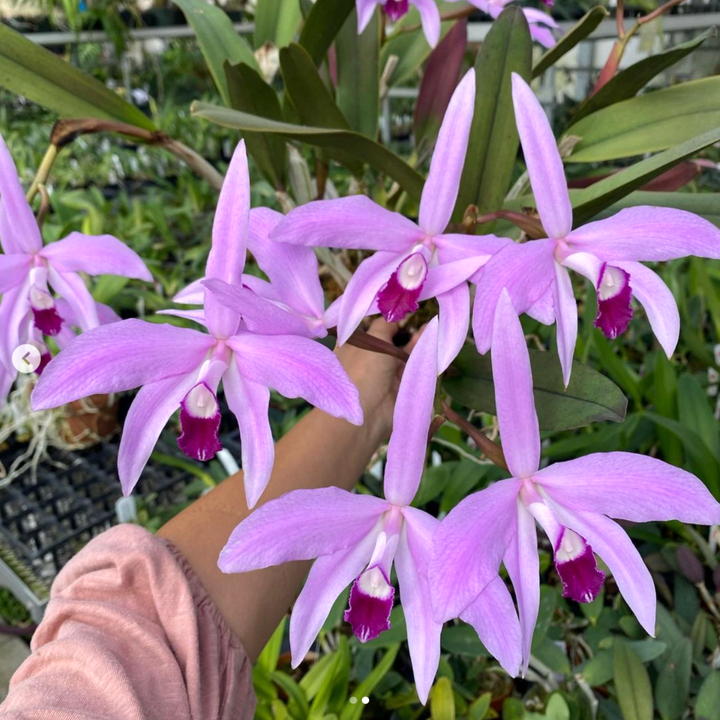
pixel 300 525
pixel 328 577
pixel 441 187
pixel 512 376
pixel 534 15
pixel 13 270
pixel 117 357
pixel 659 303
pixel 447 276
pixel 495 621
pixel 19 232
pixel 525 270
pixel 14 309
pixel 566 318
pixel 299 367
pixel 648 233
pixel 469 545
pixel 197 316
pixel 152 407
pixel 542 34
pixel 192 294
pixel 249 402
pixel 411 419
pixel 543 309
pixel 545 167
pixel 259 315
pixel 72 287
pixel 430 19
pixel 630 487
pixel 454 246
pixel 616 549
pixel 362 290
pixel 105 313
pixel 365 10
pixel 293 271
pixel 423 632
pixel 454 324
pixel 523 566
pixel 349 222
pixel 95 255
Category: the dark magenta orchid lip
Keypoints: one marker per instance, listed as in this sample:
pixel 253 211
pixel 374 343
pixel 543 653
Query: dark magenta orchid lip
pixel 614 295
pixel 575 562
pixel 200 423
pixel 371 602
pixel 399 296
pixel 395 9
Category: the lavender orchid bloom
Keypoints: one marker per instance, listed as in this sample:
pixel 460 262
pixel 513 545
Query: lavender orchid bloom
pixel 572 501
pixel 357 539
pixel 182 368
pixel 29 270
pixel 294 282
pixel 541 24
pixel 606 252
pixel 395 9
pixel 412 262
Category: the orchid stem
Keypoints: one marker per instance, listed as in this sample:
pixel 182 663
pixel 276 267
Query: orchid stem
pixel 44 205
pixel 620 18
pixel 365 341
pixel 493 451
pixel 43 172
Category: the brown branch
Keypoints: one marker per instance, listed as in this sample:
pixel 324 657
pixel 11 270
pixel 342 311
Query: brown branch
pixel 493 451
pixel 365 341
pixel 44 205
pixel 529 225
pixel 437 422
pixel 658 12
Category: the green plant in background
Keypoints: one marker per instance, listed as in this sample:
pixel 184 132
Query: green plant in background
pixel 587 659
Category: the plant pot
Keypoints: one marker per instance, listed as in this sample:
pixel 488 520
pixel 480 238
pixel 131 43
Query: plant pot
pixel 90 420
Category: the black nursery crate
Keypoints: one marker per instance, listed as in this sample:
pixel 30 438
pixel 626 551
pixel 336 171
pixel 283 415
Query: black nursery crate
pixel 46 518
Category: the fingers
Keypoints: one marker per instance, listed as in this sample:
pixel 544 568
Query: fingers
pixel 382 329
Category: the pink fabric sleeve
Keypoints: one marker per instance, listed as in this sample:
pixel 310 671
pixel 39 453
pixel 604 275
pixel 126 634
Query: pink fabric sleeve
pixel 131 634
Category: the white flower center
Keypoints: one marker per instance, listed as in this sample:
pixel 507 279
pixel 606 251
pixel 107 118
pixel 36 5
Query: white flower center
pixel 201 403
pixel 372 583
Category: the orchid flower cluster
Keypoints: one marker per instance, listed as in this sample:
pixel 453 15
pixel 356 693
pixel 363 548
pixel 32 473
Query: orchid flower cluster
pixel 255 335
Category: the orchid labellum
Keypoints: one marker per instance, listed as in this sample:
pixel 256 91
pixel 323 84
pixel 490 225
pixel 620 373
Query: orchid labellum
pixel 396 9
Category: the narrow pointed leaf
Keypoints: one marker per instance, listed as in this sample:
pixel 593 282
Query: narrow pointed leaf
pixel 570 39
pixel 248 92
pixel 590 396
pixel 632 684
pixel 276 21
pixel 365 688
pixel 42 77
pixel 440 78
pixel 589 202
pixel 494 140
pixel 358 74
pixel 648 123
pixel 708 702
pixel 628 82
pixel 322 25
pixel 706 205
pixel 218 40
pixel 345 141
pixel 673 683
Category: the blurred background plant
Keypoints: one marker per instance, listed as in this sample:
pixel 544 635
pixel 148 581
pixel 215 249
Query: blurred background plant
pixel 588 660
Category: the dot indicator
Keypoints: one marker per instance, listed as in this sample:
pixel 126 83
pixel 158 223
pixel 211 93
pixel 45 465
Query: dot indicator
pixel 366 700
pixel 353 700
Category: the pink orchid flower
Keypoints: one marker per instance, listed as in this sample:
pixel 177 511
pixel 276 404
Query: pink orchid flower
pixel 541 23
pixel 395 9
pixel 294 281
pixel 182 368
pixel 606 252
pixel 572 502
pixel 29 270
pixel 358 538
pixel 412 262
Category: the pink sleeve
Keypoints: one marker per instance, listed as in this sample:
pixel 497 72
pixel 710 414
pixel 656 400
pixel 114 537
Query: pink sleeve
pixel 130 633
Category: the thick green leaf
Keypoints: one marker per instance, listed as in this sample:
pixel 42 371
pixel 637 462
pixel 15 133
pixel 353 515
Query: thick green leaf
pixel 589 397
pixel 442 700
pixel 673 683
pixel 322 25
pixel 694 411
pixel 344 141
pixel 494 140
pixel 365 688
pixel 462 640
pixel 708 702
pixel 249 93
pixel 218 40
pixel 268 658
pixel 651 122
pixel 298 706
pixel 312 100
pixel 632 684
pixel 478 710
pixel 570 39
pixel 439 81
pixel 589 202
pixel 42 77
pixel 358 74
pixel 628 82
pixel 276 21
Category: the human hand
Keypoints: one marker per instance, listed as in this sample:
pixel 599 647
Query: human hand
pixel 377 378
